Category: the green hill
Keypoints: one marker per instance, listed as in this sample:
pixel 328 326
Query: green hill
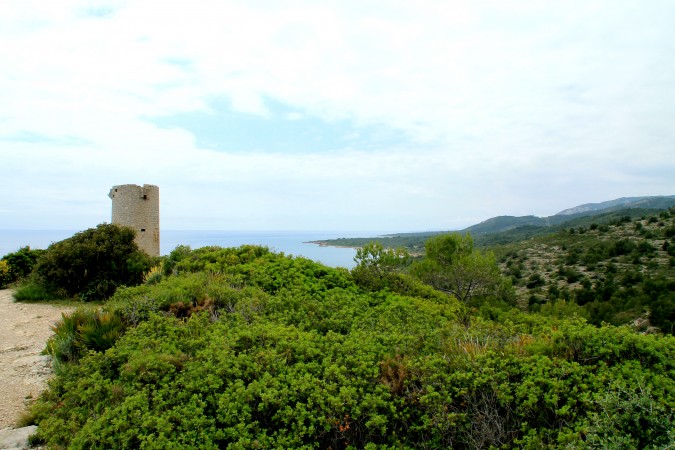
pixel 654 202
pixel 621 271
pixel 505 229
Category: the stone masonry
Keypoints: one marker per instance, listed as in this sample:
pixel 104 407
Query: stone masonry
pixel 138 207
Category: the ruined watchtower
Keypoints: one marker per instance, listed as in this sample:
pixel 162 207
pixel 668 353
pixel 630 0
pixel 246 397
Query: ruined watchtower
pixel 138 207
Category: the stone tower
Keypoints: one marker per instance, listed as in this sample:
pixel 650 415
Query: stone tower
pixel 138 207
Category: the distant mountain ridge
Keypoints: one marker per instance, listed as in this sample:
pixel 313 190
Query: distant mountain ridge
pixel 653 202
pixel 505 223
pixel 504 229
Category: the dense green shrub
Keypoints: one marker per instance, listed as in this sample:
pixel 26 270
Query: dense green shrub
pixel 177 254
pixel 669 232
pixel 452 265
pixel 18 265
pixel 243 348
pixel 622 247
pixel 92 264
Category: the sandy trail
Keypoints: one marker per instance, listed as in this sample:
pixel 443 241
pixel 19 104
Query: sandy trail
pixel 24 330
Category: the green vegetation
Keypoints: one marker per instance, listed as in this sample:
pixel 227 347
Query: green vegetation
pixel 452 265
pixel 616 267
pixel 16 266
pixel 91 265
pixel 558 339
pixel 245 348
pixel 619 272
pixel 83 330
pixel 378 268
pixel 499 230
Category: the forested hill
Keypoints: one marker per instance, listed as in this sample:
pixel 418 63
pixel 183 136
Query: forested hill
pixel 505 229
pixel 658 202
pixel 617 267
pixel 618 272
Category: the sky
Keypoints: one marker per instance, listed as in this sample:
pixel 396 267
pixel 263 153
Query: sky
pixel 332 115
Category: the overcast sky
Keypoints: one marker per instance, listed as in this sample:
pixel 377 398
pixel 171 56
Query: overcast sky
pixel 332 115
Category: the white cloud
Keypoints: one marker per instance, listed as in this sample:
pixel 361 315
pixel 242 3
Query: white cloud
pixel 509 107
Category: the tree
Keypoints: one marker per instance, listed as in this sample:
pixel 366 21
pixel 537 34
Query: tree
pixel 453 266
pixel 376 265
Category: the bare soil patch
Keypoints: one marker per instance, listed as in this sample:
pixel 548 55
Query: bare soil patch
pixel 24 330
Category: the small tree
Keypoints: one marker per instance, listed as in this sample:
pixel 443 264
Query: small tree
pixel 453 266
pixel 376 265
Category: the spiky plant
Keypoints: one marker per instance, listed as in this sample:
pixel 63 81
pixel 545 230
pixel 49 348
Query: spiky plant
pixel 101 331
pixel 84 330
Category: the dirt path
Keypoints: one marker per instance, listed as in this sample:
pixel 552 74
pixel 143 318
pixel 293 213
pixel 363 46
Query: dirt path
pixel 24 330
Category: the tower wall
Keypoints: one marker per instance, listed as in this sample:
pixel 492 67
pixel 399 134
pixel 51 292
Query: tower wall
pixel 138 207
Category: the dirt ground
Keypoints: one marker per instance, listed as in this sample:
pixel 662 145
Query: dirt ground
pixel 24 330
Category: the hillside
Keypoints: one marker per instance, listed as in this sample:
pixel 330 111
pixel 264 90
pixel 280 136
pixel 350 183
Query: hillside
pixel 654 202
pixel 619 272
pixel 505 229
pixel 607 265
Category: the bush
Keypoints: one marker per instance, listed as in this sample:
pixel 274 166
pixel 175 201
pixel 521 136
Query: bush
pixel 18 265
pixel 669 232
pixel 5 277
pixel 535 280
pixel 93 263
pixel 177 255
pixel 622 247
pixel 299 356
pixel 84 330
pixel 32 291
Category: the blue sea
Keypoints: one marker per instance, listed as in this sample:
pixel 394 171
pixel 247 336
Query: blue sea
pixel 289 242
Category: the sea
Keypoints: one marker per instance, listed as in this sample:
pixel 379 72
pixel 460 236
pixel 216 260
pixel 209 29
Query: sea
pixel 296 243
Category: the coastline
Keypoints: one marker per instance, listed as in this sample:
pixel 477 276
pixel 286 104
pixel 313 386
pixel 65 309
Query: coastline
pixel 324 244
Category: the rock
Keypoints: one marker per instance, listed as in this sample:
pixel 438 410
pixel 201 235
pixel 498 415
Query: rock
pixel 16 438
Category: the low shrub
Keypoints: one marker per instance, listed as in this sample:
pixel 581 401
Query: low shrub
pixel 32 291
pixel 83 330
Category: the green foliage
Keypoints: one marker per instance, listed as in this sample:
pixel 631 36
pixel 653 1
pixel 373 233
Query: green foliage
pixel 377 267
pixel 453 266
pixel 535 280
pixel 177 254
pixel 33 291
pixel 154 275
pixel 18 265
pixel 92 264
pixel 244 348
pixel 5 277
pixel 84 330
